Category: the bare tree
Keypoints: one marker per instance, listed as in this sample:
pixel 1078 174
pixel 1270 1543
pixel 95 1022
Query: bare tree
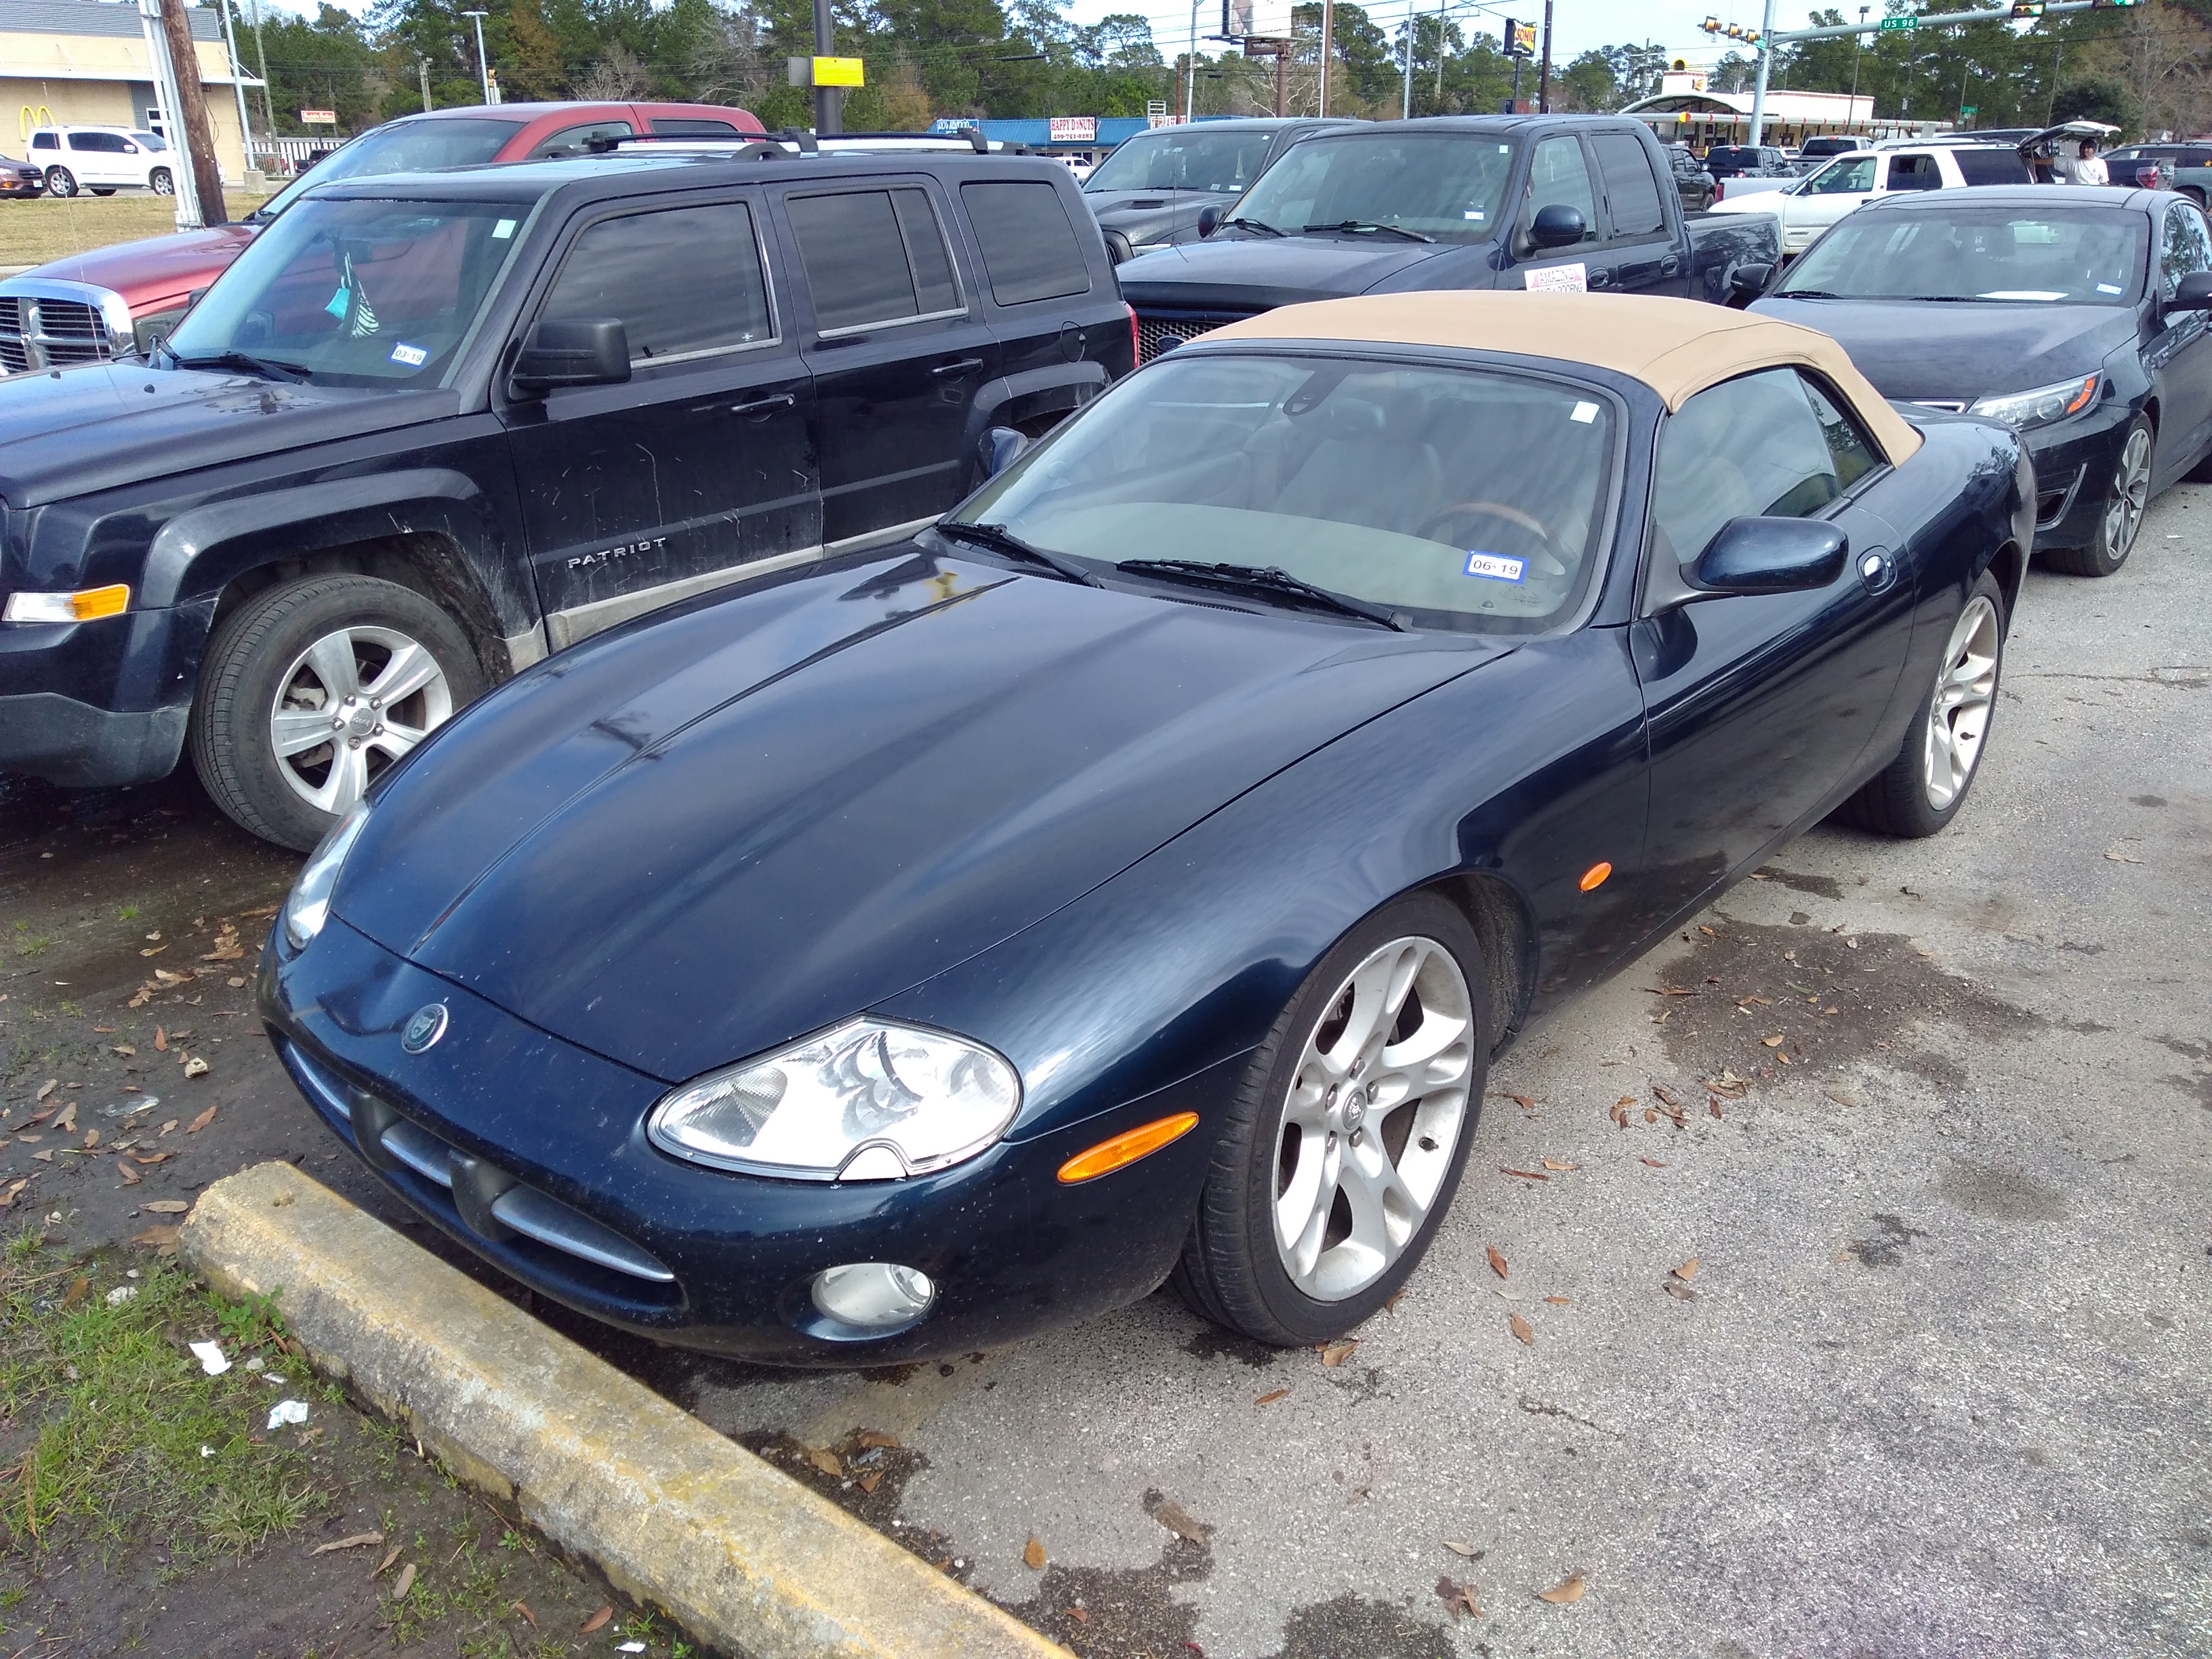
pixel 614 78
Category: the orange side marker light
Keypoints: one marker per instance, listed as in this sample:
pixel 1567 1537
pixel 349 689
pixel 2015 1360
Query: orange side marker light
pixel 1594 877
pixel 1127 1147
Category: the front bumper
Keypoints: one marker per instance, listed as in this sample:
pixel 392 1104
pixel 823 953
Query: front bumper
pixel 2075 462
pixel 1010 1250
pixel 74 700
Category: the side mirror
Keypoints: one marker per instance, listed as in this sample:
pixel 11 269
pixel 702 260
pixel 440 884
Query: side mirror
pixel 998 449
pixel 2192 293
pixel 1209 219
pixel 1771 555
pixel 1118 248
pixel 1747 282
pixel 1557 225
pixel 572 351
pixel 194 297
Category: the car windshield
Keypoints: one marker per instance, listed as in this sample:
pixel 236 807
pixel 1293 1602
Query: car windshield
pixel 1439 184
pixel 415 146
pixel 355 293
pixel 1467 498
pixel 2080 256
pixel 1184 158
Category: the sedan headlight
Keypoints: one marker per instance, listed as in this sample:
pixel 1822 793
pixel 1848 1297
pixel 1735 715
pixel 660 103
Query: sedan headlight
pixel 2023 409
pixel 869 1101
pixel 308 906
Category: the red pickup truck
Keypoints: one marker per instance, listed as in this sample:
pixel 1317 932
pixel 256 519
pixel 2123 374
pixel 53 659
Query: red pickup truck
pixel 114 301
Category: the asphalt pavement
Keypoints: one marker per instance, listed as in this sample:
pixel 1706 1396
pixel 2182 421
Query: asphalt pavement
pixel 1888 1337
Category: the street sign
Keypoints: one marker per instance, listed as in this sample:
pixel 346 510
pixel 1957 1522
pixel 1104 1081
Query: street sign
pixel 838 72
pixel 1966 110
pixel 319 118
pixel 1889 24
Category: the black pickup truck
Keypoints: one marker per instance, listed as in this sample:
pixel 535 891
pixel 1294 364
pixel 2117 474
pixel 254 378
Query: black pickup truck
pixel 428 428
pixel 1475 202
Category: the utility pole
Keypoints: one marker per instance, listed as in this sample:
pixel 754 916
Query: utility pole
pixel 1190 66
pixel 829 102
pixel 1858 43
pixel 422 69
pixel 1406 114
pixel 261 63
pixel 238 85
pixel 1327 42
pixel 1544 74
pixel 1759 96
pixel 483 65
pixel 193 143
pixel 2058 58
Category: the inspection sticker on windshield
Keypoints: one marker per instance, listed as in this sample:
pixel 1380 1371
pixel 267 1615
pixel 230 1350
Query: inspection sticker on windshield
pixel 413 356
pixel 1584 412
pixel 1559 279
pixel 1497 567
pixel 1477 214
pixel 2108 287
pixel 502 230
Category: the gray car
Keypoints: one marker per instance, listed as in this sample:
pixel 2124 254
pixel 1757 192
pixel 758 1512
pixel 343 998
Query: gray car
pixel 1152 188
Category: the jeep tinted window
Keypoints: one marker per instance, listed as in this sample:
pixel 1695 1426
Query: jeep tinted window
pixel 1630 189
pixel 683 281
pixel 1030 248
pixel 872 256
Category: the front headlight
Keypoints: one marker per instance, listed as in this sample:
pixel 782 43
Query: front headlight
pixel 2023 409
pixel 308 906
pixel 870 1101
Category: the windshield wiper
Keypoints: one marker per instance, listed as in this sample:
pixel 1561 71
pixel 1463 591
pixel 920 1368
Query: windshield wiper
pixel 1255 578
pixel 1000 539
pixel 1805 293
pixel 1260 225
pixel 269 367
pixel 1368 224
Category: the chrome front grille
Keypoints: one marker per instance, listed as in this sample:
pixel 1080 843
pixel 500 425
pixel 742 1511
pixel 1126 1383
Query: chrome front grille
pixel 1156 332
pixel 39 332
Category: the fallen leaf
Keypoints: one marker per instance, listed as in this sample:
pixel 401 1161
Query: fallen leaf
pixel 868 1482
pixel 1568 1589
pixel 1688 1270
pixel 199 1122
pixel 875 1439
pixel 1078 1615
pixel 234 981
pixel 352 1543
pixel 827 1462
pixel 1560 1301
pixel 65 1121
pixel 2121 858
pixel 1271 1397
pixel 1746 1002
pixel 1033 1555
pixel 151 1157
pixel 599 1620
pixel 385 1565
pixel 1662 1094
pixel 1177 1520
pixel 1497 1262
pixel 161 1040
pixel 1774 1042
pixel 1460 1598
pixel 166 1206
pixel 160 1239
pixel 404 1582
pixel 1525 1175
pixel 1558 1164
pixel 125 1050
pixel 1678 1291
pixel 1650 1115
pixel 47 1088
pixel 1669 991
pixel 195 1067
pixel 77 1292
pixel 1522 1329
pixel 526 1613
pixel 1708 931
pixel 1655 1163
pixel 45 1156
pixel 130 1176
pixel 1390 1306
pixel 1334 1354
pixel 167 977
pixel 91 1140
pixel 1458 1548
pixel 1713 1105
pixel 155 952
pixel 170 1125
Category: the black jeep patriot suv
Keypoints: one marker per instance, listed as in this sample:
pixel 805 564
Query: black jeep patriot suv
pixel 428 428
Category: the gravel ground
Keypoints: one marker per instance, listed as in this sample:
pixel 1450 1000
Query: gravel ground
pixel 1935 1384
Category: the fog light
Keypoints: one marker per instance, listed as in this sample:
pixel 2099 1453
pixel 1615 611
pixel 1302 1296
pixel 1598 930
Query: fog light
pixel 873 1295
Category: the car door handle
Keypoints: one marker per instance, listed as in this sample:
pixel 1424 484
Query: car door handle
pixel 762 405
pixel 953 371
pixel 1877 570
pixel 1599 278
pixel 1669 265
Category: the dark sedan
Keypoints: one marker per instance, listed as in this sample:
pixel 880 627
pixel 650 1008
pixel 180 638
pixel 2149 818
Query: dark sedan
pixel 2078 319
pixel 1133 876
pixel 21 178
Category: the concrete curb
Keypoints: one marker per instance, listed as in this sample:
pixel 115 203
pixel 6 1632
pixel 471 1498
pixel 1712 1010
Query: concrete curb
pixel 672 1512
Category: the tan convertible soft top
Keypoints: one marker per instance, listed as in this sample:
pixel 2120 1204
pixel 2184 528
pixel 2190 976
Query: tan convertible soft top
pixel 1676 347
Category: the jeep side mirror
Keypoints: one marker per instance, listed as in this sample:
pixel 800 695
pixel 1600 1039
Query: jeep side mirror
pixel 998 449
pixel 2192 293
pixel 1209 219
pixel 1747 282
pixel 1769 555
pixel 563 351
pixel 1557 225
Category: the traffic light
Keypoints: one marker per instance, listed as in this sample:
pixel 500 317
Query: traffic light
pixel 2027 7
pixel 1710 25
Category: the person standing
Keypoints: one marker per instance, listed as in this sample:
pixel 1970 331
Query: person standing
pixel 2085 167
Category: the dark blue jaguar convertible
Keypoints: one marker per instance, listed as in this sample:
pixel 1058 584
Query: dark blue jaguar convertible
pixel 1130 877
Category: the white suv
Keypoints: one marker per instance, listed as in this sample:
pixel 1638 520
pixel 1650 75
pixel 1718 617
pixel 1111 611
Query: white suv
pixel 102 160
pixel 1809 206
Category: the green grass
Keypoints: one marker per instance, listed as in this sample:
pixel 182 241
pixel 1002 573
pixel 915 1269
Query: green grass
pixel 51 227
pixel 129 1438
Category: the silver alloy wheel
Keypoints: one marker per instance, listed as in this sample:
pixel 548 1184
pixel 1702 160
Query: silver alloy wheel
pixel 2124 514
pixel 1958 714
pixel 349 705
pixel 160 182
pixel 1373 1118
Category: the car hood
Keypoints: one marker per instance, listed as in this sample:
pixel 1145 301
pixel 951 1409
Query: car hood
pixel 1914 349
pixel 104 425
pixel 1149 216
pixel 156 271
pixel 1251 273
pixel 699 837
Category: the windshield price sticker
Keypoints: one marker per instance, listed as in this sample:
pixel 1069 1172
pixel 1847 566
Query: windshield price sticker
pixel 1497 567
pixel 412 356
pixel 1557 279
pixel 1584 412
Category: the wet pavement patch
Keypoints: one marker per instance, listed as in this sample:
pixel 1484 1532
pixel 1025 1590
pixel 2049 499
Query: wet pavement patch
pixel 1351 1625
pixel 2000 1192
pixel 1213 1342
pixel 1888 1247
pixel 1130 1613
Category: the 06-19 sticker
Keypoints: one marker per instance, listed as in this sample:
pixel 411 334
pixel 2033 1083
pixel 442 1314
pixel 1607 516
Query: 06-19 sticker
pixel 1497 567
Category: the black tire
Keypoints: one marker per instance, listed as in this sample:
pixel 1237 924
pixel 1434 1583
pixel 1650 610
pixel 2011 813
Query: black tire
pixel 162 182
pixel 98 190
pixel 1900 800
pixel 2193 194
pixel 259 649
pixel 1231 1272
pixel 2115 539
pixel 60 181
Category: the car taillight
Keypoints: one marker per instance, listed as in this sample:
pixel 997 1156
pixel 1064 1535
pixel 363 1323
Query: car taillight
pixel 1134 354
